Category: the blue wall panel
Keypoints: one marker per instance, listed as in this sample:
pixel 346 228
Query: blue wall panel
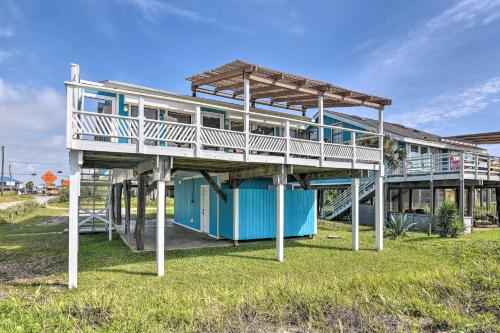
pixel 187 204
pixel 258 213
pixel 226 215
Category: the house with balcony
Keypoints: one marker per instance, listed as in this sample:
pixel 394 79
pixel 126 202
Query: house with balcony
pixel 231 160
pixel 434 169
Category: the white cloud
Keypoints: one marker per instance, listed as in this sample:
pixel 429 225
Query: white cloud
pixel 406 52
pixel 34 118
pixel 6 32
pixel 440 110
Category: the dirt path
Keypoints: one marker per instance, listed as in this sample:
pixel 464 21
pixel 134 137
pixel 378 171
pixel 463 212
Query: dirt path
pixel 40 199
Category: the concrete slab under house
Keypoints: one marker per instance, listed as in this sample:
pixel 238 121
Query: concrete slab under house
pixel 237 171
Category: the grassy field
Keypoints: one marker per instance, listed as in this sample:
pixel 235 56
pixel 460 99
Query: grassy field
pixel 10 196
pixel 417 283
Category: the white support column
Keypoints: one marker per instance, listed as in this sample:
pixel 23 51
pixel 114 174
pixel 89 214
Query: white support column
pixel 321 134
pixel 355 213
pixel 141 124
pixel 161 175
pixel 75 162
pixel 71 103
pixel 246 95
pixel 379 211
pixel 379 187
pixel 110 215
pixel 287 137
pixel 280 182
pixel 198 120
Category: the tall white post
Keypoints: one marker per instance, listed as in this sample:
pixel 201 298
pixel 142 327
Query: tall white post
pixel 246 95
pixel 160 228
pixel 355 213
pixel 161 175
pixel 379 187
pixel 141 124
pixel 321 134
pixel 198 123
pixel 462 186
pixel 287 137
pixel 379 211
pixel 110 215
pixel 280 182
pixel 75 162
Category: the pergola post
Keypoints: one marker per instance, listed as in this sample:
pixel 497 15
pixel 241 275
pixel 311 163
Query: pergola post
pixel 280 182
pixel 379 187
pixel 355 213
pixel 321 134
pixel 75 162
pixel 246 96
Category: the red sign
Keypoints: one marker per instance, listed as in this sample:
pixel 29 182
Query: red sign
pixel 49 178
pixel 65 182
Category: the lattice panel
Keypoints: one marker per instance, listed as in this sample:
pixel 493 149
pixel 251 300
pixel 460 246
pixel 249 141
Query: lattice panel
pixel 304 147
pixel 338 151
pixel 104 125
pixel 267 143
pixel 171 132
pixel 367 154
pixel 222 138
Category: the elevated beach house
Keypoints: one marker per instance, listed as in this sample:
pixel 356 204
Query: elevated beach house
pixel 231 165
pixel 433 169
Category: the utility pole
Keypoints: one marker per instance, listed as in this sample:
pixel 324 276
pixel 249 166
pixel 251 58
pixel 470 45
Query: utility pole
pixel 3 180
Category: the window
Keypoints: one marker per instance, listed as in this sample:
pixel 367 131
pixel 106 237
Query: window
pixel 97 105
pixel 181 117
pixel 424 150
pixel 414 149
pixel 236 126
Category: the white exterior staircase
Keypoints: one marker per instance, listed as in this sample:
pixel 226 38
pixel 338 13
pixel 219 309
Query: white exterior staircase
pixel 343 202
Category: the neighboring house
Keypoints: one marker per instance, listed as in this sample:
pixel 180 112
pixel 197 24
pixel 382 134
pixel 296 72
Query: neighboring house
pixel 8 183
pixel 434 171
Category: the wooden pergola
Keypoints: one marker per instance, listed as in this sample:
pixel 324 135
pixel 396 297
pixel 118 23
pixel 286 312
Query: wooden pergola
pixel 479 138
pixel 278 89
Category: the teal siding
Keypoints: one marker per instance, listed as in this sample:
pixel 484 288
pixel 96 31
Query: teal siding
pixel 226 215
pixel 102 93
pixel 346 136
pixel 187 194
pixel 258 213
pixel 121 112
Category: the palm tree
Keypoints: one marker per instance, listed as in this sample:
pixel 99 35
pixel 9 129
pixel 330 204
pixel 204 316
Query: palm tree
pixel 393 153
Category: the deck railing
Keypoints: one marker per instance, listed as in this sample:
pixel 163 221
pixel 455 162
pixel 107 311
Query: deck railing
pixel 362 147
pixel 471 165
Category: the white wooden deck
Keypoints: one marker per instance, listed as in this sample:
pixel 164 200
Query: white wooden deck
pixel 92 131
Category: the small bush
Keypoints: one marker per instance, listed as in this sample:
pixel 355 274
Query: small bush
pixel 398 225
pixel 11 214
pixel 64 195
pixel 449 223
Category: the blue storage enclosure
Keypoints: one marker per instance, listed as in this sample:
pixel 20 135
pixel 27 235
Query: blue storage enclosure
pixel 249 212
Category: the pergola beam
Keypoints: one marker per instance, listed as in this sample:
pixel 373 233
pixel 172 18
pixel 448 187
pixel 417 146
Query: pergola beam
pixel 258 101
pixel 223 76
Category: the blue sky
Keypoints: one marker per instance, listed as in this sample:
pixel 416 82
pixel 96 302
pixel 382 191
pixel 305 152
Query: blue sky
pixel 437 60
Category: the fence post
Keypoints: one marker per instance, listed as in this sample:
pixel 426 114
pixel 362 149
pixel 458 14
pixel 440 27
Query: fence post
pixel 141 124
pixel 197 134
pixel 353 143
pixel 287 137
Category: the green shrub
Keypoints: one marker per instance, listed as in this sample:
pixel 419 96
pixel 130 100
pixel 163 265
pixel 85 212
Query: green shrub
pixel 11 214
pixel 449 223
pixel 398 225
pixel 64 195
